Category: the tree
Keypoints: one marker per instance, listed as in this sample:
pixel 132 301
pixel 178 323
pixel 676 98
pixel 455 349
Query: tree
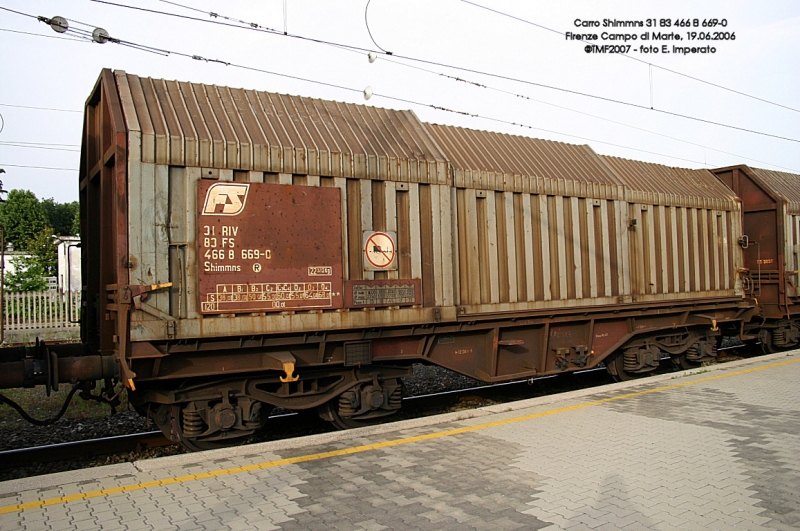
pixel 23 217
pixel 76 223
pixel 30 225
pixel 44 250
pixel 28 275
pixel 61 216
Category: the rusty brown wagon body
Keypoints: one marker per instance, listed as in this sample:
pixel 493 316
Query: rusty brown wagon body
pixel 244 250
pixel 771 241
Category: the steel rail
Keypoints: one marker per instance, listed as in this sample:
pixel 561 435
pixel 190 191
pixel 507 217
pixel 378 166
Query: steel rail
pixel 416 406
pixel 78 450
pixel 51 453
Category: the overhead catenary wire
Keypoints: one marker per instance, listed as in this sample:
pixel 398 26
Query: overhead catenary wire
pixel 454 67
pixel 42 143
pixel 455 78
pixel 366 23
pixel 433 106
pixel 412 102
pixel 569 109
pixel 219 15
pixel 628 56
pixel 434 63
pixel 522 96
pixel 37 108
pixel 18 145
pixel 88 35
pixel 37 167
pixel 526 126
pixel 74 39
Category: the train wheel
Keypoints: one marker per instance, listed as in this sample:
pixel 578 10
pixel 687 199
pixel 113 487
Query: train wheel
pixel 192 425
pixel 364 405
pixel 330 412
pixel 634 362
pixel 698 353
pixel 686 364
pixel 197 427
pixel 765 337
pixel 616 368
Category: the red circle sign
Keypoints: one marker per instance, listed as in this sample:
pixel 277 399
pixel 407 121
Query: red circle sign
pixel 379 250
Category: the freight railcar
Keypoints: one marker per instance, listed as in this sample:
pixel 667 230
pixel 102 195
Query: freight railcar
pixel 244 250
pixel 771 240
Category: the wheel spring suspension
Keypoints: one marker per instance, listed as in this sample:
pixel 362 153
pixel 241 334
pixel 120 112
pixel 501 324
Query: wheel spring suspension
pixel 695 354
pixel 396 398
pixel 348 404
pixel 779 337
pixel 630 360
pixel 192 424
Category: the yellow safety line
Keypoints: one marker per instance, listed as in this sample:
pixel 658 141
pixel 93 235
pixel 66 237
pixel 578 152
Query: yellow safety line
pixel 365 447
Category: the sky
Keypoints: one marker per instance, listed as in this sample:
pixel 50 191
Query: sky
pixel 517 72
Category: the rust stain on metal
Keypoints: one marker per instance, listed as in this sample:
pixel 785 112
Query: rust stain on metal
pixel 268 247
pixel 771 202
pixel 397 347
pixel 783 184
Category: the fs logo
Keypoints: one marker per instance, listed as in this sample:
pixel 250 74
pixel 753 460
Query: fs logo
pixel 230 197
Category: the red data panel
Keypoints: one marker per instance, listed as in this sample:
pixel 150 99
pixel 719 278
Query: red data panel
pixel 268 247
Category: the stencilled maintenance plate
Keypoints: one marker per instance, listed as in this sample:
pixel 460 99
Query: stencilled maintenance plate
pixel 269 247
pixel 366 293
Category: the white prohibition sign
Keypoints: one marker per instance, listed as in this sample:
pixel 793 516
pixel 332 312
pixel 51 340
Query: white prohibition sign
pixel 379 250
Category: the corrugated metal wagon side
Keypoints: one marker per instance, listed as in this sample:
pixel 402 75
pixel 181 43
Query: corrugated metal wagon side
pixel 251 250
pixel 685 227
pixel 565 259
pixel 285 237
pixel 386 171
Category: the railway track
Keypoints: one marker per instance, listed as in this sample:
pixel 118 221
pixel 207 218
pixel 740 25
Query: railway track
pixel 278 425
pixel 81 449
pixel 413 406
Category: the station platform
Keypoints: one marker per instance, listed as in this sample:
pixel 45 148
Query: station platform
pixel 713 448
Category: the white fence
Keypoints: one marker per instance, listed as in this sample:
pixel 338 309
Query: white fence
pixel 44 311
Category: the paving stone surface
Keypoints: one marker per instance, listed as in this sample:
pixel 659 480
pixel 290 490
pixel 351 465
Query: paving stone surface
pixel 715 450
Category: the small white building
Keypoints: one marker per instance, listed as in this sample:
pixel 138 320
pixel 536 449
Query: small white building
pixel 9 255
pixel 69 263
